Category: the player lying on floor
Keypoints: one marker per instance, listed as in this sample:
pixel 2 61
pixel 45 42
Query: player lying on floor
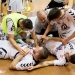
pixel 21 62
pixel 64 53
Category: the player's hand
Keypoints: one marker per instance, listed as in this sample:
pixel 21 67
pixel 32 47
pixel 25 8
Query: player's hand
pixel 64 42
pixel 66 8
pixel 30 68
pixel 43 39
pixel 24 51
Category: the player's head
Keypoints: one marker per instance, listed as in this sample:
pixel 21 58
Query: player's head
pixel 25 24
pixel 70 57
pixel 54 14
pixel 40 53
pixel 42 16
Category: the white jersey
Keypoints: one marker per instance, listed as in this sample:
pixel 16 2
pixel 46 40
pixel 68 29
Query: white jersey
pixel 8 51
pixel 59 51
pixel 15 5
pixel 66 25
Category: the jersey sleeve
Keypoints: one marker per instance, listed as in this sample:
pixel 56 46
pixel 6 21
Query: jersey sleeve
pixel 23 64
pixel 10 26
pixel 60 57
pixel 71 15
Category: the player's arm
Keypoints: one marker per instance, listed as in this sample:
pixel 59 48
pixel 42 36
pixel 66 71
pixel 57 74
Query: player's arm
pixel 15 61
pixel 18 59
pixel 34 37
pixel 45 39
pixel 41 65
pixel 10 27
pixel 59 62
pixel 65 41
pixel 47 63
pixel 49 27
pixel 13 42
pixel 55 38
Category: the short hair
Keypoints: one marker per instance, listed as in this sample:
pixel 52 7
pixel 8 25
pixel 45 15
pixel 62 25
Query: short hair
pixel 27 23
pixel 44 53
pixel 72 59
pixel 40 12
pixel 54 14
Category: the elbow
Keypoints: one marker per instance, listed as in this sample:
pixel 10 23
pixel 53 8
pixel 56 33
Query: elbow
pixel 12 67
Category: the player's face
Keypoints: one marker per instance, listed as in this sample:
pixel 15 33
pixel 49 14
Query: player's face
pixel 36 52
pixel 68 55
pixel 22 27
pixel 42 18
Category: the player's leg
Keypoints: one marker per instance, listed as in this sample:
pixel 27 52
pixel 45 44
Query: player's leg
pixel 11 6
pixel 3 4
pixel 19 6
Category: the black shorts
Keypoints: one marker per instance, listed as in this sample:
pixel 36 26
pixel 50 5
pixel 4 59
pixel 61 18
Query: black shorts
pixel 54 33
pixel 3 1
pixel 53 4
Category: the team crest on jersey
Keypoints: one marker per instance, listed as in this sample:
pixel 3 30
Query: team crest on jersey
pixel 64 26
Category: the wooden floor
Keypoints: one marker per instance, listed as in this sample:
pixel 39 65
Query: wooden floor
pixel 50 70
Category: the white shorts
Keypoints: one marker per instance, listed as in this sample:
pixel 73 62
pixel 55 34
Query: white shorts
pixel 3 36
pixel 15 5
